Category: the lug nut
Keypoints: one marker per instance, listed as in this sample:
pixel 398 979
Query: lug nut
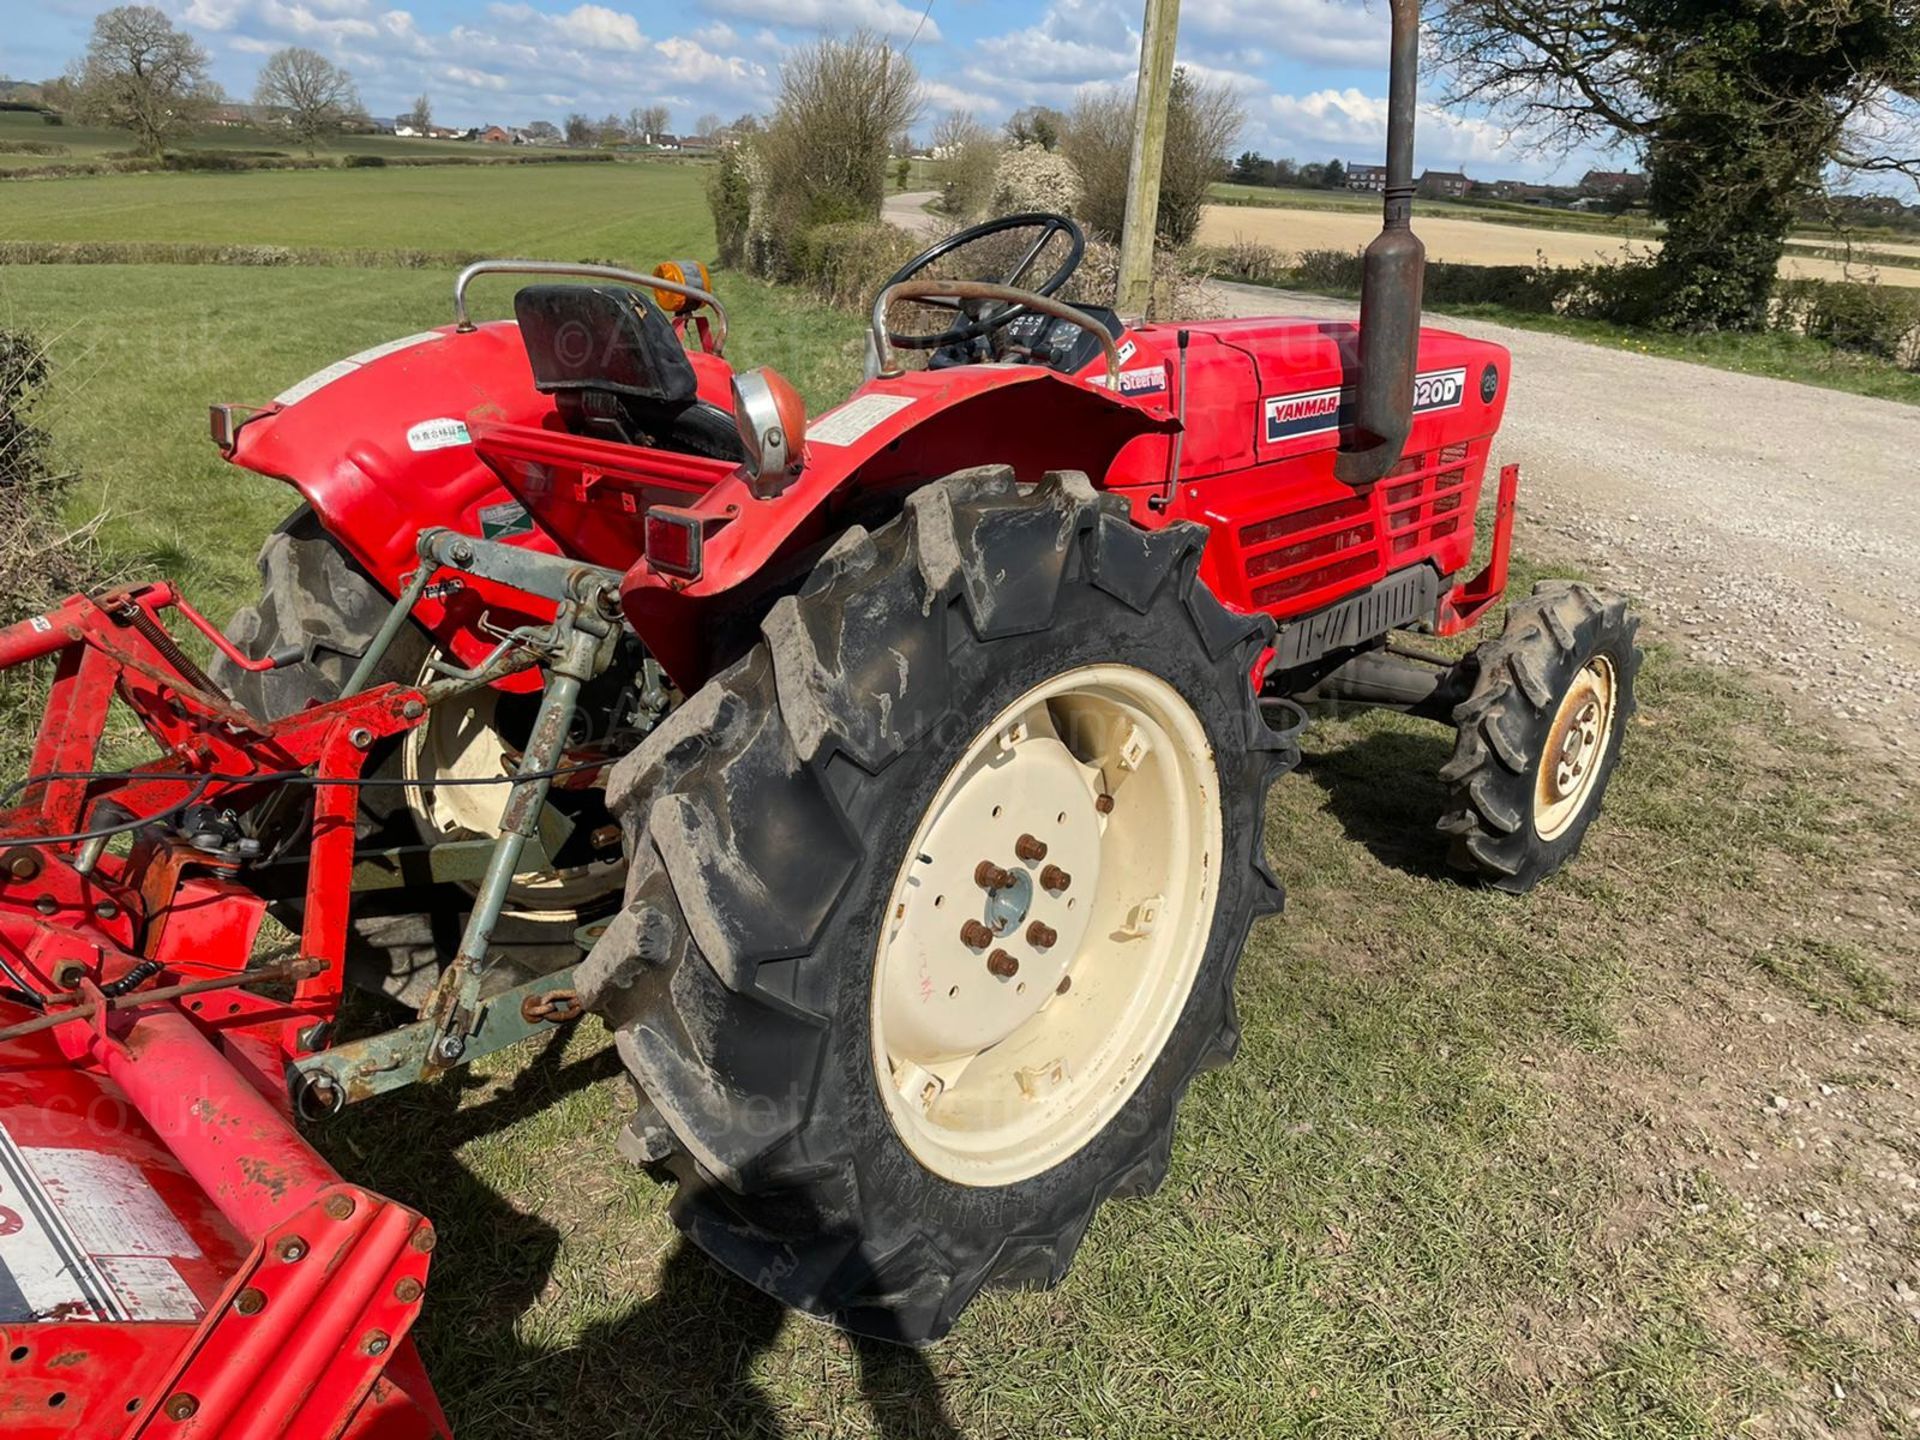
pixel 1104 804
pixel 1003 965
pixel 339 1207
pixel 1041 936
pixel 1055 879
pixel 1030 850
pixel 250 1301
pixel 989 876
pixel 976 935
pixel 407 1291
pixel 290 1249
pixel 181 1406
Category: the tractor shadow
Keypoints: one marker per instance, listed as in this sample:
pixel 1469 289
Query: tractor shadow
pixel 678 1362
pixel 1385 790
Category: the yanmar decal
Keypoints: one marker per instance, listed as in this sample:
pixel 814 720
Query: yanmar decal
pixel 1317 412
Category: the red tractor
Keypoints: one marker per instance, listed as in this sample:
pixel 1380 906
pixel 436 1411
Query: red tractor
pixel 890 781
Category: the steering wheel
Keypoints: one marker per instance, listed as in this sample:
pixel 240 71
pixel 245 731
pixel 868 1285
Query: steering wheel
pixel 982 317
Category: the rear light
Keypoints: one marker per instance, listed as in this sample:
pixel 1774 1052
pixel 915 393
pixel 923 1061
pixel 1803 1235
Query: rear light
pixel 674 541
pixel 222 425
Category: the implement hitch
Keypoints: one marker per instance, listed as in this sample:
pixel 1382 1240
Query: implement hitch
pixel 152 1058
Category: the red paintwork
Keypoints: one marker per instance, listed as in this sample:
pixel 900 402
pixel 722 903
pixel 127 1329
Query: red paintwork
pixel 1287 537
pixel 189 1092
pixel 187 1095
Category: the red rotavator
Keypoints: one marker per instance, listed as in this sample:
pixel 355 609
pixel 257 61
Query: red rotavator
pixel 890 781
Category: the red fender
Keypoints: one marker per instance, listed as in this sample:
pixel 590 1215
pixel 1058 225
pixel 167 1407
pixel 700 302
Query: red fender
pixel 379 444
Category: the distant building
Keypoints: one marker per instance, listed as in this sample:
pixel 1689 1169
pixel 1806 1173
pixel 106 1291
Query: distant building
pixel 1445 185
pixel 1367 177
pixel 496 135
pixel 1614 184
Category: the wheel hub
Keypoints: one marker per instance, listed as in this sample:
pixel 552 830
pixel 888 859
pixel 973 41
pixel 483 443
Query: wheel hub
pixel 1046 925
pixel 1577 745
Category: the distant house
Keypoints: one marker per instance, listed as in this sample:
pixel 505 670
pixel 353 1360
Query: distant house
pixel 1444 185
pixel 1521 190
pixel 1614 184
pixel 497 135
pixel 232 116
pixel 1367 177
pixel 404 127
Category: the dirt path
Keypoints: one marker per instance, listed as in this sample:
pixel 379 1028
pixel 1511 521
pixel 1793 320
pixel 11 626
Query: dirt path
pixel 1766 525
pixel 1476 242
pixel 908 210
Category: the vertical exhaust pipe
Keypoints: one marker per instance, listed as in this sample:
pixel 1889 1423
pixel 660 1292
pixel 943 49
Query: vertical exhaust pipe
pixel 1391 284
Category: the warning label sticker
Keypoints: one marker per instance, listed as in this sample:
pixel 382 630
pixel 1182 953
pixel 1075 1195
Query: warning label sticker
pixel 83 1236
pixel 508 518
pixel 438 435
pixel 849 422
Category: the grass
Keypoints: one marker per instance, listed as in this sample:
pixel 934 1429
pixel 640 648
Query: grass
pixel 1394 1214
pixel 1493 212
pixel 1438 1194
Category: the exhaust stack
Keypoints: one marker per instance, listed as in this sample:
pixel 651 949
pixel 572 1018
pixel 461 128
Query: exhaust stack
pixel 1391 284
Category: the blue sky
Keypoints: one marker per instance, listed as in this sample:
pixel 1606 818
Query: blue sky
pixel 1310 72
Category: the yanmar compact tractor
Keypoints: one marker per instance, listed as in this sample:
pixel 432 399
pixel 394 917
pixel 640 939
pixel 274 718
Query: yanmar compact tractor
pixel 890 781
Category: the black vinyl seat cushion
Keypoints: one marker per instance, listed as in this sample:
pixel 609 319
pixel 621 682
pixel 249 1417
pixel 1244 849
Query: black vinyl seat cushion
pixel 609 357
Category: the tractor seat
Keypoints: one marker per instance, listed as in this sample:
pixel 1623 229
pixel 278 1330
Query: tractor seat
pixel 615 368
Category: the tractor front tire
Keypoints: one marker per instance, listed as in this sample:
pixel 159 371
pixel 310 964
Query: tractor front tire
pixel 1540 734
pixel 936 899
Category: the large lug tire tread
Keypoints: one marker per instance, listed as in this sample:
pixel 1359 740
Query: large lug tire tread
pixel 765 820
pixel 314 595
pixel 1519 680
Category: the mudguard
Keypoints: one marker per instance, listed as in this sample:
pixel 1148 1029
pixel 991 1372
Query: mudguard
pixel 380 445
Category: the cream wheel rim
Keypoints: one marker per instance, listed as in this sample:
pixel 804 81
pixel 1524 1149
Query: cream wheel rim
pixel 1046 925
pixel 458 741
pixel 1576 750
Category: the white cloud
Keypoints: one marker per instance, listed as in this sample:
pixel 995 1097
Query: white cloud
pixel 471 79
pixel 1334 32
pixel 887 17
pixel 598 28
pixel 1355 122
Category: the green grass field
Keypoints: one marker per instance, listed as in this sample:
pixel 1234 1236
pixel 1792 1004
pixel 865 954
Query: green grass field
pixel 1431 1198
pixel 140 351
pixel 84 142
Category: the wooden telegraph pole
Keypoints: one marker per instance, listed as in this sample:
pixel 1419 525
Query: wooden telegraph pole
pixel 1157 35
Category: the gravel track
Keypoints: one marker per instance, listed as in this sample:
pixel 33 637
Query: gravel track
pixel 1763 525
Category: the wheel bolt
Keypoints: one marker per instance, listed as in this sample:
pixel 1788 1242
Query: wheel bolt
pixel 989 876
pixel 975 934
pixel 1104 804
pixel 1003 965
pixel 1055 879
pixel 1030 850
pixel 1041 936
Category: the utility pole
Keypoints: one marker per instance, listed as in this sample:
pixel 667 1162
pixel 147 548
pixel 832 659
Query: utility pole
pixel 1158 32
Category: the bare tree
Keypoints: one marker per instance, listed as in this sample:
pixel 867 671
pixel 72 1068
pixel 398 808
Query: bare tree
pixel 967 152
pixel 579 129
pixel 651 123
pixel 316 94
pixel 544 130
pixel 1204 118
pixel 708 125
pixel 420 117
pixel 141 74
pixel 841 101
pixel 612 129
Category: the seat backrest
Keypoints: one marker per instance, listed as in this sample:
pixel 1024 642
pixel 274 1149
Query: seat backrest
pixel 602 337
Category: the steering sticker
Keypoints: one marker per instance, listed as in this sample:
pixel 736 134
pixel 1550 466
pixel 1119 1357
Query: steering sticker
pixel 846 424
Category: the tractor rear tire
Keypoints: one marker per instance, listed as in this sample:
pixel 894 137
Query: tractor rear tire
pixel 314 595
pixel 1540 734
pixel 783 824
